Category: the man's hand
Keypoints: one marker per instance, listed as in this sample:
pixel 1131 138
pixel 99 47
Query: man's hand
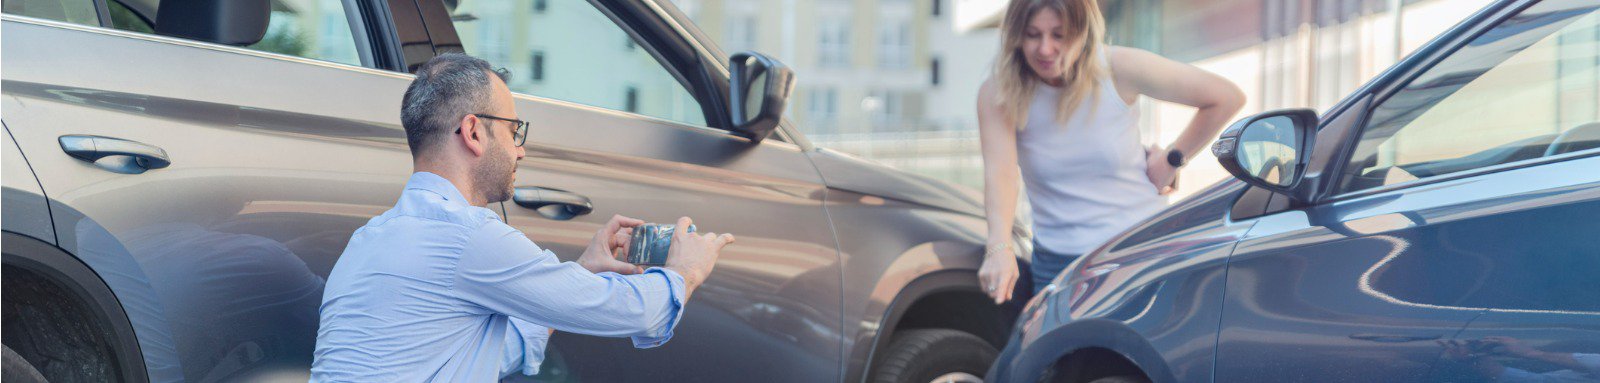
pixel 692 255
pixel 601 256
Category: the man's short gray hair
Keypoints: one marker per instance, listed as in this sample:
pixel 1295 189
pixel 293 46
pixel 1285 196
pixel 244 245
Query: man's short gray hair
pixel 448 87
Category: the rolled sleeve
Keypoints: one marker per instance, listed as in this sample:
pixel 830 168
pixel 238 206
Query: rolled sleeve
pixel 673 283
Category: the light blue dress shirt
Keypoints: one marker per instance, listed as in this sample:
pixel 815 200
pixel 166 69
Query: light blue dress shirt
pixel 440 290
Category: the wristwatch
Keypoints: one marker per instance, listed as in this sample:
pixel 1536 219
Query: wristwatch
pixel 1175 158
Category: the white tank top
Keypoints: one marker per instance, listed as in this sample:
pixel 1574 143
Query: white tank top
pixel 1086 177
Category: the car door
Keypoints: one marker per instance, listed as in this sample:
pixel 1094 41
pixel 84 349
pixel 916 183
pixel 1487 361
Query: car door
pixel 230 172
pixel 625 120
pixel 1470 183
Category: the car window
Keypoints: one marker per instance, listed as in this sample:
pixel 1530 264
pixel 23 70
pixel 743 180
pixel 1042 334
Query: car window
pixel 568 50
pixel 1525 89
pixel 72 11
pixel 314 29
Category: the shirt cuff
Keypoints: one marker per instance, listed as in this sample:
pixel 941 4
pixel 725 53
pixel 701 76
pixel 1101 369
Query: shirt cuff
pixel 524 352
pixel 660 336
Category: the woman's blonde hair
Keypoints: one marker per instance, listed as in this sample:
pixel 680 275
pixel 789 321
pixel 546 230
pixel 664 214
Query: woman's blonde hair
pixel 1079 19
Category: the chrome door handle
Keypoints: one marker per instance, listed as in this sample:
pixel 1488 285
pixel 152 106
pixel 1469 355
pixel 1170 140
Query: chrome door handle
pixel 115 154
pixel 554 204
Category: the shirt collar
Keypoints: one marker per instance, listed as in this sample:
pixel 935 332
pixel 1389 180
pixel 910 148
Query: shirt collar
pixel 438 185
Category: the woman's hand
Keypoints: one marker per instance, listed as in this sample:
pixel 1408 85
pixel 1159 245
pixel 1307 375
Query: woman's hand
pixel 998 274
pixel 1162 175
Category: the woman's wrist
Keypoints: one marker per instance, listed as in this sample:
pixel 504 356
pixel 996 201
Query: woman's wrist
pixel 998 248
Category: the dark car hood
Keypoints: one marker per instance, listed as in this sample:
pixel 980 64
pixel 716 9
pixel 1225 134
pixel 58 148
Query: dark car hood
pixel 845 172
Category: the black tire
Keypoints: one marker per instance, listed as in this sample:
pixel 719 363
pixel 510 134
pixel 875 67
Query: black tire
pixel 16 369
pixel 53 333
pixel 919 356
pixel 1122 379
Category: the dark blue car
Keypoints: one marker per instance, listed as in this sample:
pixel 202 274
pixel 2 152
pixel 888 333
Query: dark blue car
pixel 1442 223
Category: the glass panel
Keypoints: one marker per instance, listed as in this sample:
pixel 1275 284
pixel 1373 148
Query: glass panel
pixel 72 11
pixel 1523 90
pixel 1267 150
pixel 314 29
pixel 582 56
pixel 317 29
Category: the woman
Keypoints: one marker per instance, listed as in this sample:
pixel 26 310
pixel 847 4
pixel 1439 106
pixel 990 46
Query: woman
pixel 1059 108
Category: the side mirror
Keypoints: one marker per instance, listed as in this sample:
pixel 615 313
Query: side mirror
pixel 1269 150
pixel 759 90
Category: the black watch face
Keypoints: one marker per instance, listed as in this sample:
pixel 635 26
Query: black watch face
pixel 1174 158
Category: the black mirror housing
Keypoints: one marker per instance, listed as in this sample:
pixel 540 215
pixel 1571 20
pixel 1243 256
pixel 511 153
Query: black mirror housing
pixel 1271 150
pixel 759 89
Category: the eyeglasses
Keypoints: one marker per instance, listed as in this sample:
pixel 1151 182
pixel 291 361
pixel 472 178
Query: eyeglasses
pixel 519 132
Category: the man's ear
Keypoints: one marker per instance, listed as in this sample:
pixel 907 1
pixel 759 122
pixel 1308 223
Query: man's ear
pixel 474 134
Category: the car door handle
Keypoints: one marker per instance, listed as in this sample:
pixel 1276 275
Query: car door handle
pixel 115 154
pixel 554 204
pixel 1394 338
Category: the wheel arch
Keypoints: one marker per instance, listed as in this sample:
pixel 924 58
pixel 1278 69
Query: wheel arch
pixel 1088 338
pixel 51 263
pixel 933 297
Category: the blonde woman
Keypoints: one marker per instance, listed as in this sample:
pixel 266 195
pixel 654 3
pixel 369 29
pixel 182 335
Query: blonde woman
pixel 1059 107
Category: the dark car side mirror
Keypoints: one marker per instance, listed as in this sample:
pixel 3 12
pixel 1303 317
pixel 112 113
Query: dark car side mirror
pixel 759 90
pixel 1269 150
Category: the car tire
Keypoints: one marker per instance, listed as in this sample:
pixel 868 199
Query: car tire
pixel 929 355
pixel 52 334
pixel 16 369
pixel 1122 379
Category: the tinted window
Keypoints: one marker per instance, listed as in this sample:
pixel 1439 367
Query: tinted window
pixel 575 53
pixel 1525 89
pixel 72 11
pixel 315 29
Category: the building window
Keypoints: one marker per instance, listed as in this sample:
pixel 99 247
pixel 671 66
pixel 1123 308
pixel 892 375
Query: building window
pixel 822 106
pixel 833 43
pixel 885 107
pixel 936 8
pixel 536 71
pixel 933 69
pixel 539 6
pixel 894 45
pixel 630 100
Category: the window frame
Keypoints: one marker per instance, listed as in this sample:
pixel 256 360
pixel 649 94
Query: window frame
pixel 1402 75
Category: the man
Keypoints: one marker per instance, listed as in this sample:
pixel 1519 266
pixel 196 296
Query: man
pixel 439 289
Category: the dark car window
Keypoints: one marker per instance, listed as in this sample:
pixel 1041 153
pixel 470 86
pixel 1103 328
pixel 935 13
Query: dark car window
pixel 314 29
pixel 72 11
pixel 1525 89
pixel 127 19
pixel 568 50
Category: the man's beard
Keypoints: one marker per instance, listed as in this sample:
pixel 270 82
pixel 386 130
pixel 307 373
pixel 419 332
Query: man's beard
pixel 493 177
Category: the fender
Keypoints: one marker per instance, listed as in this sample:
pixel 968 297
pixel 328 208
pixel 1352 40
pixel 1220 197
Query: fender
pixel 1087 333
pixel 39 257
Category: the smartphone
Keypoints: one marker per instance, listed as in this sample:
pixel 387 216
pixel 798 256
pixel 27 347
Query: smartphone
pixel 650 244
